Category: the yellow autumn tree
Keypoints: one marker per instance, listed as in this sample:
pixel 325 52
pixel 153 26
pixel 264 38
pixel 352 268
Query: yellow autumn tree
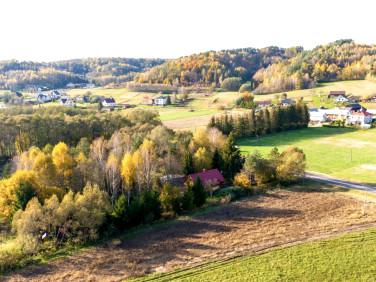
pixel 44 169
pixel 242 181
pixel 138 163
pixel 128 172
pixel 63 163
pixel 202 159
pixel 149 159
pixel 200 139
pixel 8 189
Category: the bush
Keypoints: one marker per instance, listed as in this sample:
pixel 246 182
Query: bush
pixel 170 198
pixel 246 87
pixel 151 208
pixel 187 201
pixel 234 192
pixel 10 256
pixel 199 193
pixel 231 84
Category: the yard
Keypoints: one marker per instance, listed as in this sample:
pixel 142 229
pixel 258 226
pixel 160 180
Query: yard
pixel 281 218
pixel 341 152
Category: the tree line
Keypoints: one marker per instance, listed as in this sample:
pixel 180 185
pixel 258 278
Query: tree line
pixel 263 121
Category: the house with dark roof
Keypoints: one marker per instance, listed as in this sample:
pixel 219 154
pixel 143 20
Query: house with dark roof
pixel 287 102
pixel 43 98
pixel 56 95
pixel 67 101
pixel 211 177
pixel 109 102
pixel 355 108
pixel 161 101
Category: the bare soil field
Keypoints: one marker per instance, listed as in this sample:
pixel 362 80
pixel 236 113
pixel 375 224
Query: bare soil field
pixel 283 218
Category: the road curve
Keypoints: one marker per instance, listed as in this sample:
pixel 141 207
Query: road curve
pixel 321 177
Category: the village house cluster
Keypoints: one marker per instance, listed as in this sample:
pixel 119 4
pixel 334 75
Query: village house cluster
pixel 351 114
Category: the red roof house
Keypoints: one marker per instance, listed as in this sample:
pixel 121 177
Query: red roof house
pixel 207 177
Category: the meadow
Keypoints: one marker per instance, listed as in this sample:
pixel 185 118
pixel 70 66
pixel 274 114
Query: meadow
pixel 340 152
pixel 347 258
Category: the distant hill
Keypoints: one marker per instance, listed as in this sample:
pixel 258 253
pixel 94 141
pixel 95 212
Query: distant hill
pixel 101 71
pixel 270 69
pixel 213 67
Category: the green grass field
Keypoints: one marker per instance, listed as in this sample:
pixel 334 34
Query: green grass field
pixel 341 152
pixel 347 258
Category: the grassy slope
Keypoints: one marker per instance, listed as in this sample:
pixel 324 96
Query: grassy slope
pixel 348 258
pixel 328 150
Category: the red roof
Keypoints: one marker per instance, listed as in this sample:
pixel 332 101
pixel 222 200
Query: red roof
pixel 263 102
pixel 212 175
pixel 337 93
pixel 363 113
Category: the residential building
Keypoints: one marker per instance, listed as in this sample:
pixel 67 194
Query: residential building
pixel 371 109
pixel 317 116
pixel 67 102
pixel 211 177
pixel 333 94
pixel 355 108
pixel 264 103
pixel 109 102
pixel 55 95
pixel 361 118
pixel 287 102
pixel 43 98
pixel 336 114
pixel 340 98
pixel 90 85
pixel 160 101
pixel 353 99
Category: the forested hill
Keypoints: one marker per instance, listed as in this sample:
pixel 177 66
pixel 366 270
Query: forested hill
pixel 101 71
pixel 270 69
pixel 214 66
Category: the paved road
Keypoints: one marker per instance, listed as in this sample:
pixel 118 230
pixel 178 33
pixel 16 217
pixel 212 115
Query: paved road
pixel 320 177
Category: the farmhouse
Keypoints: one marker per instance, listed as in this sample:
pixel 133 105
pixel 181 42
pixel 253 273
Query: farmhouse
pixel 209 178
pixel 55 94
pixel 316 116
pixel 161 101
pixel 287 102
pixel 336 114
pixel 361 118
pixel 67 102
pixel 43 98
pixel 340 98
pixel 264 103
pixel 353 99
pixel 355 108
pixel 333 94
pixel 109 102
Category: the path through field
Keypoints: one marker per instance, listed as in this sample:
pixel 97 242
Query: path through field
pixel 283 218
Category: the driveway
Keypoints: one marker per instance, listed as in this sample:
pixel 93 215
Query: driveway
pixel 321 177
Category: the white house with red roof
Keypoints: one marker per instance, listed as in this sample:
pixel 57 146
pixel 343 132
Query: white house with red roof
pixel 361 118
pixel 264 103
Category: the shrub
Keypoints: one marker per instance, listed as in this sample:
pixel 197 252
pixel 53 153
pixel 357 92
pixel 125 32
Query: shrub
pixel 170 198
pixel 120 213
pixel 234 192
pixel 231 84
pixel 187 201
pixel 10 255
pixel 150 206
pixel 242 181
pixel 199 193
pixel 246 87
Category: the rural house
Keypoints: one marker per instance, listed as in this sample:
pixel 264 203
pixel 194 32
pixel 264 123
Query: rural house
pixel 43 98
pixel 67 102
pixel 340 98
pixel 371 109
pixel 55 95
pixel 316 116
pixel 160 101
pixel 336 114
pixel 209 178
pixel 109 102
pixel 361 118
pixel 287 102
pixel 355 108
pixel 353 99
pixel 333 94
pixel 264 103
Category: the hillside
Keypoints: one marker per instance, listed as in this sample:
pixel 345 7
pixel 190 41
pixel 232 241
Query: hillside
pixel 101 71
pixel 214 66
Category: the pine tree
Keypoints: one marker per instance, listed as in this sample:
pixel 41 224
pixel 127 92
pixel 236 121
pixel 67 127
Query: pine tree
pixel 168 101
pixel 6 171
pixel 212 122
pixel 217 160
pixel 199 193
pixel 24 193
pixel 231 157
pixel 267 121
pixel 188 163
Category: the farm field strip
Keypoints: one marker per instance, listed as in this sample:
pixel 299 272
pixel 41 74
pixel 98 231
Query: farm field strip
pixel 245 227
